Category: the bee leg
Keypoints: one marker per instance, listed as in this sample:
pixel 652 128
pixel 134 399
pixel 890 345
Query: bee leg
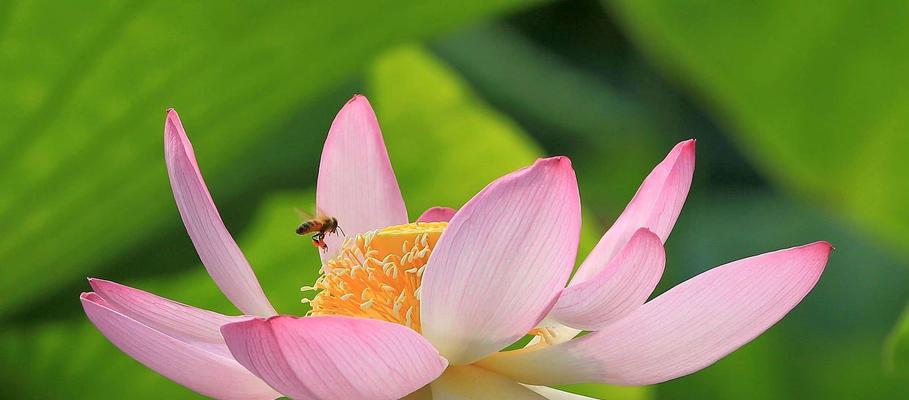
pixel 342 231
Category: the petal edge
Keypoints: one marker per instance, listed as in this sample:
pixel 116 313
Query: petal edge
pixel 655 206
pixel 686 329
pixel 618 289
pixel 217 249
pixel 334 357
pixel 437 214
pixel 206 373
pixel 356 182
pixel 498 267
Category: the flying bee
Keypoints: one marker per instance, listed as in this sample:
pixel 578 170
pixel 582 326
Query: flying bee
pixel 321 225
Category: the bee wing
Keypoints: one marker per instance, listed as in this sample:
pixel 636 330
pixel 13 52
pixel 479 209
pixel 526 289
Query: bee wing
pixel 304 216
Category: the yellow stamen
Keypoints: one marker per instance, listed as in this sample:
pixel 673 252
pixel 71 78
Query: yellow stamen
pixel 378 274
pixel 547 335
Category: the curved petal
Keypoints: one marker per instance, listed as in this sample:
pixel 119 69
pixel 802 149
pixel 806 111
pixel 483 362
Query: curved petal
pixel 202 371
pixel 655 206
pixel 465 382
pixel 555 394
pixel 620 288
pixel 192 325
pixel 217 249
pixel 334 357
pixel 437 214
pixel 498 267
pixel 356 182
pixel 683 330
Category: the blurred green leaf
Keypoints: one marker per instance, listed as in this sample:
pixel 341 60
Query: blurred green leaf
pixel 611 132
pixel 418 119
pixel 809 88
pixel 750 373
pixel 454 143
pixel 897 349
pixel 608 392
pixel 86 85
pixel 542 84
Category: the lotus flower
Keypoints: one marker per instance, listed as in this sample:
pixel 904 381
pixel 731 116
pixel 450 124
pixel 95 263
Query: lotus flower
pixel 423 310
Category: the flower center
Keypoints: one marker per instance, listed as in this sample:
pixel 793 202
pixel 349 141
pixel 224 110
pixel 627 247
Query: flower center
pixel 378 274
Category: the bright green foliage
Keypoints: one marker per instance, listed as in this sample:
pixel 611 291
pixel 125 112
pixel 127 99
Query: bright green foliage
pixel 897 350
pixel 86 85
pixel 812 91
pixel 607 392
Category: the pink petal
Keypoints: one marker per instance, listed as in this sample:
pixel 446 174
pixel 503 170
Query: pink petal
pixel 205 372
pixel 620 288
pixel 499 266
pixel 334 357
pixel 437 214
pixel 683 330
pixel 217 249
pixel 201 328
pixel 655 206
pixel 356 182
pixel 464 382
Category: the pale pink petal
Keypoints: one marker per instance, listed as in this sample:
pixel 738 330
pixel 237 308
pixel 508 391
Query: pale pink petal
pixel 334 357
pixel 192 325
pixel 207 373
pixel 555 394
pixel 437 214
pixel 217 249
pixel 655 206
pixel 356 182
pixel 499 266
pixel 616 290
pixel 683 330
pixel 465 382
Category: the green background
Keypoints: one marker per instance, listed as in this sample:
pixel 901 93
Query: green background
pixel 800 110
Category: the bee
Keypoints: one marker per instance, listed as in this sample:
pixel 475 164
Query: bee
pixel 321 225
